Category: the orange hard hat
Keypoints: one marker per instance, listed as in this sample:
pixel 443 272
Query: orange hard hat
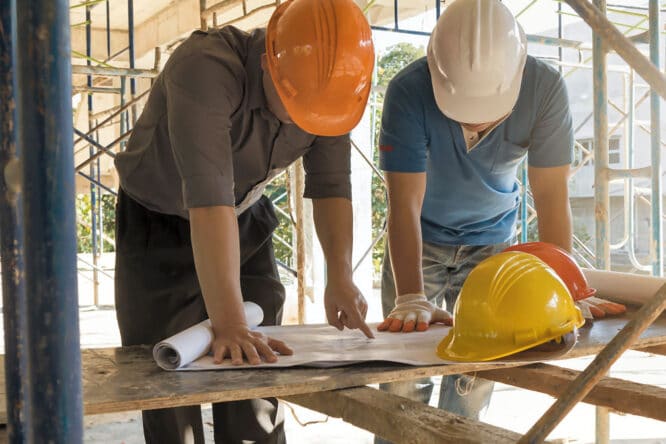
pixel 320 58
pixel 564 265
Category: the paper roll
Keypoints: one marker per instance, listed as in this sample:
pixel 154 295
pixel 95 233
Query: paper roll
pixel 194 342
pixel 253 314
pixel 626 288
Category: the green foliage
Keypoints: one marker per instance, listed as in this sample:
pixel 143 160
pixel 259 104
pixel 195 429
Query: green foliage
pixel 283 234
pixel 389 64
pixel 84 223
pixel 395 59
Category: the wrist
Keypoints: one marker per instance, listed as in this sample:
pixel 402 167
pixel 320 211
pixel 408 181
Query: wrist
pixel 230 313
pixel 340 272
pixel 410 297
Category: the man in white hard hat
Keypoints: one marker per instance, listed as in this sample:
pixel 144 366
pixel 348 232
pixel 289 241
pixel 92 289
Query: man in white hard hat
pixel 455 127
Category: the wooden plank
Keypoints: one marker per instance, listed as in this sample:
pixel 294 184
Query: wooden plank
pixel 125 379
pixel 592 340
pixel 624 396
pixel 594 372
pixel 399 419
pixel 655 349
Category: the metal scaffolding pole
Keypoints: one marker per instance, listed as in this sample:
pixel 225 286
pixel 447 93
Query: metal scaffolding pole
pixel 601 186
pixel 605 30
pixel 11 238
pixel 45 125
pixel 655 139
pixel 93 189
pixel 130 35
pixel 601 182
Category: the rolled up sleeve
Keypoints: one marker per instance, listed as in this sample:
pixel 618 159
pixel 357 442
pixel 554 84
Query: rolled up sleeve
pixel 328 168
pixel 202 91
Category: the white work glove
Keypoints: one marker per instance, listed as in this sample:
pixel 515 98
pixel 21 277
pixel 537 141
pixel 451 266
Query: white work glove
pixel 414 311
pixel 597 308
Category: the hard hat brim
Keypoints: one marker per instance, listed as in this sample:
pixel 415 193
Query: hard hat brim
pixel 457 349
pixel 322 122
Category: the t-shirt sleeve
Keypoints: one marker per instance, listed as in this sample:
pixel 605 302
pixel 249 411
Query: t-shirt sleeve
pixel 552 139
pixel 402 138
pixel 327 166
pixel 202 91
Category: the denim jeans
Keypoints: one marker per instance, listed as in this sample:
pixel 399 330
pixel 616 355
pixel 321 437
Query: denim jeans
pixel 445 268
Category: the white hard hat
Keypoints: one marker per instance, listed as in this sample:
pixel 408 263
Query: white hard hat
pixel 476 56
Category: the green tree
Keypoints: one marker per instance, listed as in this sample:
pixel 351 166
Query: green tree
pixel 394 59
pixel 278 192
pixel 84 223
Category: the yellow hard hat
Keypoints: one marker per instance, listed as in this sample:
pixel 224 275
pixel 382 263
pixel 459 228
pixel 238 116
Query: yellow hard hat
pixel 510 302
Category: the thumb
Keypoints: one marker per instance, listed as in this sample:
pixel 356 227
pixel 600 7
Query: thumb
pixel 586 309
pixel 332 316
pixel 440 315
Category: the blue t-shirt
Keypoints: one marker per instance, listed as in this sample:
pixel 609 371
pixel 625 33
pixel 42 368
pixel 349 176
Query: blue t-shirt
pixel 472 197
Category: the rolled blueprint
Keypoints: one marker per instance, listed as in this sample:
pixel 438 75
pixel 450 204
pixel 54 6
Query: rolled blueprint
pixel 626 288
pixel 194 342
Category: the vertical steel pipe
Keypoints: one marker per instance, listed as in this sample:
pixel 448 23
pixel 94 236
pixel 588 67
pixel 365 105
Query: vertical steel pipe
pixel 655 144
pixel 601 182
pixel 601 185
pixel 11 237
pixel 93 188
pixel 524 223
pixel 130 35
pixel 45 140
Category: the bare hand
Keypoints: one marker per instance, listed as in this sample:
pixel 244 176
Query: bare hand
pixel 346 306
pixel 236 341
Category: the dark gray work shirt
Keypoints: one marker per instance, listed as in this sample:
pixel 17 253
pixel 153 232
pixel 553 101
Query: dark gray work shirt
pixel 207 138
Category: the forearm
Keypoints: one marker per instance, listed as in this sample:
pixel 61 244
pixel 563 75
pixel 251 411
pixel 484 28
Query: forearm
pixel 405 192
pixel 551 200
pixel 215 243
pixel 405 248
pixel 333 220
pixel 555 225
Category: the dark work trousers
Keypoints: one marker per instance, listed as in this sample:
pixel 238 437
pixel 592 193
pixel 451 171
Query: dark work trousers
pixel 158 295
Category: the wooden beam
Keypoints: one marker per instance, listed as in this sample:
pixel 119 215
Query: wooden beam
pixel 179 19
pixel 624 396
pixel 621 44
pixel 594 372
pixel 399 419
pixel 655 349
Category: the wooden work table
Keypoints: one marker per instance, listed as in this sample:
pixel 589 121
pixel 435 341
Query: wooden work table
pixel 125 379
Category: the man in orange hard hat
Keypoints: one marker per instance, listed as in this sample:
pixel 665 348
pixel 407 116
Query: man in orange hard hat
pixel 229 112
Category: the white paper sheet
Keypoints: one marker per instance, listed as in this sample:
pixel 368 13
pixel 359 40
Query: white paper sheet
pixel 324 346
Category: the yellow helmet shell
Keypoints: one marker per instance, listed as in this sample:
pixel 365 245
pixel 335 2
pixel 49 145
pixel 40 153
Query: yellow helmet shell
pixel 510 302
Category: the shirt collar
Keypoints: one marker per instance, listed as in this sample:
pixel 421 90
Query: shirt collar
pixel 485 133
